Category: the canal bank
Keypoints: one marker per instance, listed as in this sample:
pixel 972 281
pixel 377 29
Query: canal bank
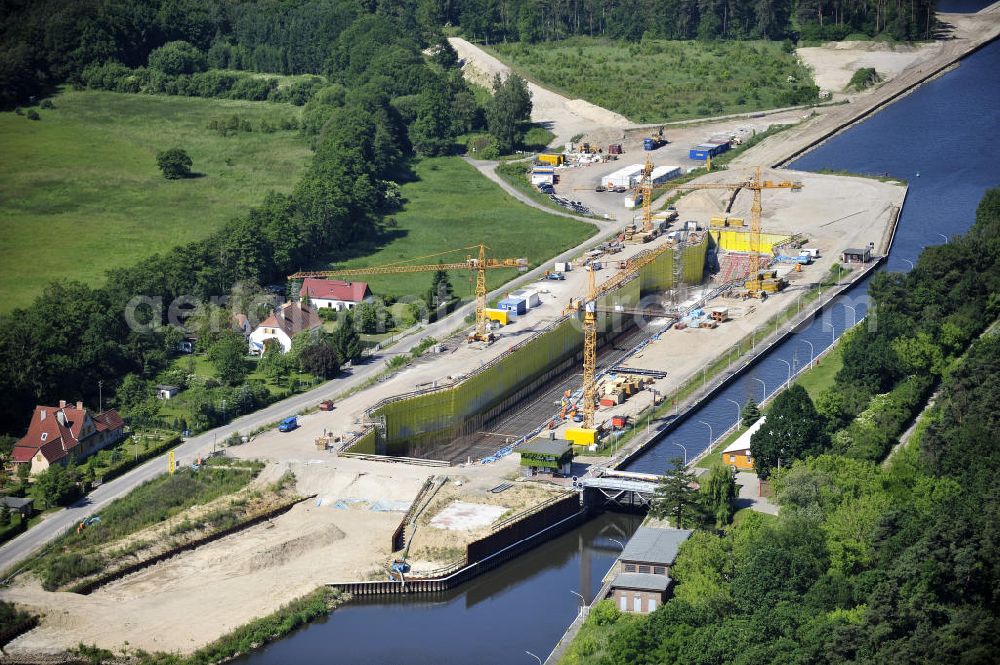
pixel 960 92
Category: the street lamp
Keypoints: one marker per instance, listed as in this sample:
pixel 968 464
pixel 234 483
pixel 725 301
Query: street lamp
pixel 812 351
pixel 711 436
pixel 618 543
pixel 908 261
pixel 583 601
pixel 833 333
pixel 684 448
pixel 534 656
pixel 764 385
pixel 945 238
pixel 739 409
pixel 854 315
pixel 789 380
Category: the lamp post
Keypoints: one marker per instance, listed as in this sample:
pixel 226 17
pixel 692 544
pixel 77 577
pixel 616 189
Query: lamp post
pixel 711 435
pixel 812 351
pixel 908 261
pixel 583 601
pixel 833 333
pixel 534 656
pixel 945 238
pixel 854 315
pixel 739 410
pixel 764 385
pixel 789 380
pixel 684 448
pixel 618 543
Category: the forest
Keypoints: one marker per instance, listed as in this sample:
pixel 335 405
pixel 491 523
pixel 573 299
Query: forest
pixel 866 562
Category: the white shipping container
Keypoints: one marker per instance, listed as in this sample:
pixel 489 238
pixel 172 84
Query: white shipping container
pixel 543 179
pixel 662 174
pixel 530 296
pixel 624 177
pixel 811 251
pixel 563 267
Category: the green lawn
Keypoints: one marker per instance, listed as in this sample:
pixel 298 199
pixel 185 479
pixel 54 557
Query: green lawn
pixel 821 376
pixel 81 191
pixel 659 80
pixel 450 205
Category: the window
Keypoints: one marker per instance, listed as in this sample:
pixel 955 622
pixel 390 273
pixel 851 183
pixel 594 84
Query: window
pixel 650 604
pixel 623 603
pixel 629 567
pixel 637 603
pixel 732 458
pixel 643 569
pixel 659 570
pixel 45 435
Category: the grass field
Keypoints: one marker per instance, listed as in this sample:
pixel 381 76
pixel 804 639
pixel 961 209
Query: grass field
pixel 450 205
pixel 658 80
pixel 81 192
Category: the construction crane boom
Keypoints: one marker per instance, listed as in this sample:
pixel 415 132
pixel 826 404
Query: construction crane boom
pixel 479 264
pixel 755 185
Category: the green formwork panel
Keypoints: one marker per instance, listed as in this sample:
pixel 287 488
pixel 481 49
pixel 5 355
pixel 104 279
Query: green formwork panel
pixel 366 444
pixel 440 414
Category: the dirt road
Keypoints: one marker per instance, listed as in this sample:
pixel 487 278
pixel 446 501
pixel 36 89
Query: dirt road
pixel 562 116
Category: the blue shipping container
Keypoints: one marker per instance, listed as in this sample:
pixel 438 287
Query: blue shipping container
pixel 515 305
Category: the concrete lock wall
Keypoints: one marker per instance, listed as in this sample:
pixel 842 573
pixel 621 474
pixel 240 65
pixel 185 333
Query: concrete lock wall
pixel 416 424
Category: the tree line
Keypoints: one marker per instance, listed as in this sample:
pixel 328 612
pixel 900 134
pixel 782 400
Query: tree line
pixel 866 562
pixel 541 20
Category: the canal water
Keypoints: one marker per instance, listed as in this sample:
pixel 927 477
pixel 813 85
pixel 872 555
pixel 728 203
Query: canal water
pixel 943 131
pixel 525 605
pixel 933 139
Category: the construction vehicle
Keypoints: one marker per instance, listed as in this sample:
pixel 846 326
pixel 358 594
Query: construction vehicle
pixel 757 284
pixel 480 265
pixel 654 141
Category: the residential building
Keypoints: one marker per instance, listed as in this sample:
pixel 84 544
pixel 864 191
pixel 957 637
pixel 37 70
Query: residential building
pixel 737 454
pixel 283 325
pixel 334 294
pixel 59 435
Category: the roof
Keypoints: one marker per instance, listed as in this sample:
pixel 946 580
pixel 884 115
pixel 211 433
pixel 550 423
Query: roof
pixel 641 582
pixel 334 289
pixel 56 430
pixel 742 443
pixel 855 250
pixel 163 386
pixel 654 545
pixel 292 318
pixel 15 502
pixel 554 447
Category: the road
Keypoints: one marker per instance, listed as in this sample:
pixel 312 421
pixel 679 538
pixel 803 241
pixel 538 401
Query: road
pixel 201 445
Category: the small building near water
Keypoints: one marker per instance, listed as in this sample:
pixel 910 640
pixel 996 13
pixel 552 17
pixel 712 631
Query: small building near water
pixel 639 593
pixel 856 255
pixel 553 456
pixel 737 454
pixel 643 581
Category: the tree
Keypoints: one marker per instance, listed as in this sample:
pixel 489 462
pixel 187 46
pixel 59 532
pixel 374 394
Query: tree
pixel 272 363
pixel 444 54
pixel 320 359
pixel 676 498
pixel 178 57
pixel 793 430
pixel 346 341
pixel 4 515
pixel 509 106
pixel 719 494
pixel 57 485
pixel 750 413
pixel 441 292
pixel 373 317
pixel 228 354
pixel 174 163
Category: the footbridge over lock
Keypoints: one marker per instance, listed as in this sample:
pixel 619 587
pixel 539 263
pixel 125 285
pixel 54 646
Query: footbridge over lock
pixel 621 489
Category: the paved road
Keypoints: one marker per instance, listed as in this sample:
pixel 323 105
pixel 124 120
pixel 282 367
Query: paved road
pixel 200 445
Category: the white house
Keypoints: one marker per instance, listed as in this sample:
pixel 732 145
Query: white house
pixel 285 323
pixel 334 294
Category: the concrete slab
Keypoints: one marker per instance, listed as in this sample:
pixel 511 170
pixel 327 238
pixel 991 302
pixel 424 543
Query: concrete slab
pixel 462 516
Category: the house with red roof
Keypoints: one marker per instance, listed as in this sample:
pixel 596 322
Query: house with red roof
pixel 283 325
pixel 65 433
pixel 334 294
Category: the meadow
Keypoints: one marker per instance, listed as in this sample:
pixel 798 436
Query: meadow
pixel 661 80
pixel 451 206
pixel 81 192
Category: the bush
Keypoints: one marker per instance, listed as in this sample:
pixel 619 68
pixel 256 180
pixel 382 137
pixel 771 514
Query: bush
pixel 33 115
pixel 178 57
pixel 864 78
pixel 174 163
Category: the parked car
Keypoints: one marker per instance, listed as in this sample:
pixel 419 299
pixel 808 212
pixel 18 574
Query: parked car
pixel 557 276
pixel 600 188
pixel 288 424
pixel 326 405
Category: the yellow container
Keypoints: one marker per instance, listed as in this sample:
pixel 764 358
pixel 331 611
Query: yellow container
pixel 581 436
pixel 553 159
pixel 501 316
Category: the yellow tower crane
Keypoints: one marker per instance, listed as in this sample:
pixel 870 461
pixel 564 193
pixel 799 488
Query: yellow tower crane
pixel 479 264
pixel 755 185
pixel 590 309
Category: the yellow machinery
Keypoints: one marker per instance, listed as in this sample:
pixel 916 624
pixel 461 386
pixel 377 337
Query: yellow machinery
pixel 480 265
pixel 755 185
pixel 644 188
